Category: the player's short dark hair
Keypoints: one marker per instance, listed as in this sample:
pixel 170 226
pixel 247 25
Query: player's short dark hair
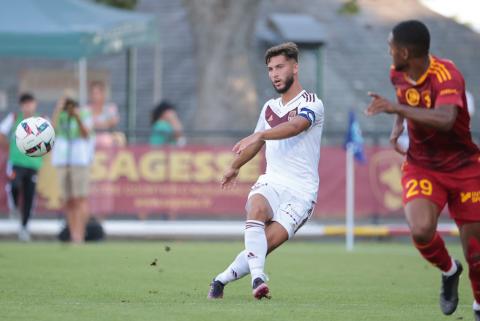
pixel 25 98
pixel 159 109
pixel 287 49
pixel 414 35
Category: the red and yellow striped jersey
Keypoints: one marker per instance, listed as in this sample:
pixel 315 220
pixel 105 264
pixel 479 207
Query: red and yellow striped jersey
pixel 441 84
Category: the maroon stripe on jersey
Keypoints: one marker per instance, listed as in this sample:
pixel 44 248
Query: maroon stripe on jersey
pixel 274 120
pixel 305 95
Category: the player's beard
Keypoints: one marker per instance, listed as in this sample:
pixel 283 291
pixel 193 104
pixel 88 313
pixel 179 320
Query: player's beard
pixel 400 67
pixel 284 89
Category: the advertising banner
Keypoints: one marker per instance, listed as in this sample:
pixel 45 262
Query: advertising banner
pixel 185 183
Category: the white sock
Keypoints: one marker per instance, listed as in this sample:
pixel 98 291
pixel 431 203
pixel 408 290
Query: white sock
pixel 476 306
pixel 236 270
pixel 452 270
pixel 255 247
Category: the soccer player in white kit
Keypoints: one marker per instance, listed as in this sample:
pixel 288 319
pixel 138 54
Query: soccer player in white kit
pixel 283 198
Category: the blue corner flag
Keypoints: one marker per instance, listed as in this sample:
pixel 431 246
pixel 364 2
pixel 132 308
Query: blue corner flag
pixel 354 137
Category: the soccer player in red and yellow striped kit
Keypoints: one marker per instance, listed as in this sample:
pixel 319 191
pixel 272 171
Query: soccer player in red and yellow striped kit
pixel 442 166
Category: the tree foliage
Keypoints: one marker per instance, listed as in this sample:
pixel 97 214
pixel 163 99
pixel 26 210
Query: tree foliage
pixel 122 4
pixel 226 94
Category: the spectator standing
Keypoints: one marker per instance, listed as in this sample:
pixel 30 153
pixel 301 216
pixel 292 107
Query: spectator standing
pixel 166 126
pixel 72 156
pixel 21 169
pixel 105 114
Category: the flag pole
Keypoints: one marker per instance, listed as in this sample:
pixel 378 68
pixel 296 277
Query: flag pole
pixel 350 198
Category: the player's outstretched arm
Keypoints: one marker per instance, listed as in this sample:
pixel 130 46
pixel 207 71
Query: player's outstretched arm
pixel 241 159
pixel 285 130
pixel 441 117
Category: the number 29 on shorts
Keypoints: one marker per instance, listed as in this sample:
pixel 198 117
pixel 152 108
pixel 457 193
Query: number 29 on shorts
pixel 415 187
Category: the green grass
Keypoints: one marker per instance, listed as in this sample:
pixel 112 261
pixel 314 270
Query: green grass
pixel 308 281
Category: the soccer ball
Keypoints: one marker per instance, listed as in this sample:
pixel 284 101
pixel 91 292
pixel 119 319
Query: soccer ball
pixel 34 136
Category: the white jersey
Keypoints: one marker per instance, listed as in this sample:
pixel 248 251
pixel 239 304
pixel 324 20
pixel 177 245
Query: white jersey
pixel 293 162
pixel 7 124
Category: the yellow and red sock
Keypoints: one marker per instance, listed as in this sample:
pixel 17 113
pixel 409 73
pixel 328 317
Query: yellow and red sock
pixel 436 253
pixel 473 260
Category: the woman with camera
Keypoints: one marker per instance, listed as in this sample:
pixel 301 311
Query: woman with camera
pixel 72 156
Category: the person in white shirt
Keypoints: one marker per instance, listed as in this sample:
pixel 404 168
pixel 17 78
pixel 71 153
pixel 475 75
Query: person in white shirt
pixel 282 199
pixel 72 157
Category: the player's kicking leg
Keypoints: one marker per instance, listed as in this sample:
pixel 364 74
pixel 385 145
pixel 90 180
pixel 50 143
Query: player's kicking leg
pixel 276 235
pixel 236 270
pixel 261 237
pixel 259 213
pixel 422 217
pixel 470 236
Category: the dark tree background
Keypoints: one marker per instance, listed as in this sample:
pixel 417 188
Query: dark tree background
pixel 223 30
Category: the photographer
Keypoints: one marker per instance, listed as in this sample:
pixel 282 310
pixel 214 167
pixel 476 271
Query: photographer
pixel 72 156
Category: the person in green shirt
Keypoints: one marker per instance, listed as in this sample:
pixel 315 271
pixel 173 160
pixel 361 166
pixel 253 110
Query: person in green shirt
pixel 166 127
pixel 21 169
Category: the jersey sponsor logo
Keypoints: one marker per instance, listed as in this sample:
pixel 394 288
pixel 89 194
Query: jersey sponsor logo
pixel 473 197
pixel 426 98
pixel 412 96
pixel 448 91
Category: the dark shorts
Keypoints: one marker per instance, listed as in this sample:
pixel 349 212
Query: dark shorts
pixel 459 189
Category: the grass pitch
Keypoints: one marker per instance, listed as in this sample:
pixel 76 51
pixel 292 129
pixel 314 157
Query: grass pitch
pixel 143 281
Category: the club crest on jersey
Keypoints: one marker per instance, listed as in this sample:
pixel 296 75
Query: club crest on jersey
pixel 412 96
pixel 292 114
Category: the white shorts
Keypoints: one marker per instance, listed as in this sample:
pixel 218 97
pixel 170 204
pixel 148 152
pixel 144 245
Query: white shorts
pixel 289 209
